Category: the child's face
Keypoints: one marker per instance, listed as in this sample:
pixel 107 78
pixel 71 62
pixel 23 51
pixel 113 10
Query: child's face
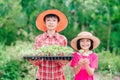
pixel 85 43
pixel 51 23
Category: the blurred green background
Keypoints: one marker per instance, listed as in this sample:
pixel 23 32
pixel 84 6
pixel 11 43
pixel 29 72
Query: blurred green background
pixel 18 31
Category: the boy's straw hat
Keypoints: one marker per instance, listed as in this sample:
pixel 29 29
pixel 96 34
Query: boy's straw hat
pixel 62 23
pixel 88 35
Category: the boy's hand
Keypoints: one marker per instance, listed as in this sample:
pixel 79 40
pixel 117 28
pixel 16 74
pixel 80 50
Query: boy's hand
pixel 60 54
pixel 62 62
pixel 34 62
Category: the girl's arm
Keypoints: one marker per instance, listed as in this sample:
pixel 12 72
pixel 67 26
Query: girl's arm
pixel 88 68
pixel 78 67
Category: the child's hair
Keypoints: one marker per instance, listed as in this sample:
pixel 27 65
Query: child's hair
pixel 51 15
pixel 79 47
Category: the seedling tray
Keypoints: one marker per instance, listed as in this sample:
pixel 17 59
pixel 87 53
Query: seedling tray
pixel 48 57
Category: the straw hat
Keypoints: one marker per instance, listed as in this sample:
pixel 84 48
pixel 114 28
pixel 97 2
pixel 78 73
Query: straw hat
pixel 62 23
pixel 88 35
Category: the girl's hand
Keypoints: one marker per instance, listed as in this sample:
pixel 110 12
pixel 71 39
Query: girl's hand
pixel 81 62
pixel 89 70
pixel 86 62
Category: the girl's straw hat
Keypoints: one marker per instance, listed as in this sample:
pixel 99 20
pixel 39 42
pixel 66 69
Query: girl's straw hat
pixel 88 35
pixel 62 23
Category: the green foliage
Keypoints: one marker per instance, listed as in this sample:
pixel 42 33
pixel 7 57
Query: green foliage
pixel 101 17
pixel 13 67
pixel 55 50
pixel 17 22
pixel 52 50
pixel 11 19
pixel 109 63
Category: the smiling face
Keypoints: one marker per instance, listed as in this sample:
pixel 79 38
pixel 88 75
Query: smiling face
pixel 85 44
pixel 51 23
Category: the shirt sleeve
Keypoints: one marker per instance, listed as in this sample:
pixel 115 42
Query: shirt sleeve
pixel 75 60
pixel 37 43
pixel 94 62
pixel 64 42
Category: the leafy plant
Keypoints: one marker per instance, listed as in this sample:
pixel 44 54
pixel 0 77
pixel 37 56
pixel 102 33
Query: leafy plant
pixel 52 50
pixel 109 62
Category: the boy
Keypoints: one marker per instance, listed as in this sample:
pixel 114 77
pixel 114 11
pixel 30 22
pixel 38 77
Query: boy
pixel 51 22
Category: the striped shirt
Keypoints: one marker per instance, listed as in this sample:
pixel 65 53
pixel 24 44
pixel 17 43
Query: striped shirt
pixel 49 69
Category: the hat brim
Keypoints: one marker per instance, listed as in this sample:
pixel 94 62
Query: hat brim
pixel 95 40
pixel 62 23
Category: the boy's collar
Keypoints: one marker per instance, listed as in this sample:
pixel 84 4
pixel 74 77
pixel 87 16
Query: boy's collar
pixel 46 35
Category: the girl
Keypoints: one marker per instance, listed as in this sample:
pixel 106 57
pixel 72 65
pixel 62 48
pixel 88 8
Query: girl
pixel 84 61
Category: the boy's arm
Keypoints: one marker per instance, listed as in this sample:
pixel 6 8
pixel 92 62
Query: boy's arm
pixel 35 62
pixel 37 43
